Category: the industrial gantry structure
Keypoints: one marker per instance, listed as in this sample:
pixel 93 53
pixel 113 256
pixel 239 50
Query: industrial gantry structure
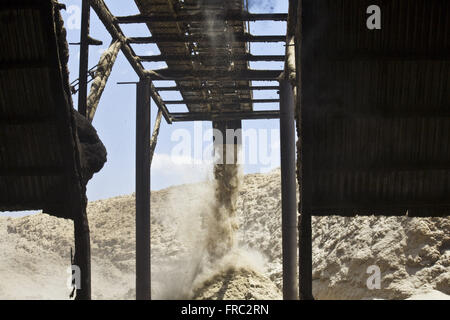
pixel 205 45
pixel 371 108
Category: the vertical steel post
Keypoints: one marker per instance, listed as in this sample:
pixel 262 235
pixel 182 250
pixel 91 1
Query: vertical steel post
pixel 304 228
pixel 288 191
pixel 143 263
pixel 306 94
pixel 305 255
pixel 82 257
pixel 84 57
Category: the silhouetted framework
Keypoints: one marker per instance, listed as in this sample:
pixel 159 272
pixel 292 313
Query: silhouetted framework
pixel 82 257
pixel 208 58
pixel 371 107
pixel 207 54
pixel 40 161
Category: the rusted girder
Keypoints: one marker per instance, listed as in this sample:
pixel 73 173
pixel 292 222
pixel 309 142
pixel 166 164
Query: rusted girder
pixel 206 57
pixel 243 37
pixel 168 74
pixel 219 116
pixel 230 16
pixel 108 21
pixel 225 101
pixel 211 87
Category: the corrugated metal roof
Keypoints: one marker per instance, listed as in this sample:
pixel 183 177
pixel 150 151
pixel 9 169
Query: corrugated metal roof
pixel 39 161
pixel 376 107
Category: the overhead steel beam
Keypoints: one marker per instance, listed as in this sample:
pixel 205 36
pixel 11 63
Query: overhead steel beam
pixel 211 58
pixel 211 116
pixel 168 74
pixel 304 73
pixel 243 88
pixel 205 38
pixel 224 101
pixel 114 30
pixel 238 16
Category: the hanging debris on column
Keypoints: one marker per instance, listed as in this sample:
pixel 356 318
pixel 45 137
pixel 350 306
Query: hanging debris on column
pixel 155 134
pixel 93 153
pixel 101 77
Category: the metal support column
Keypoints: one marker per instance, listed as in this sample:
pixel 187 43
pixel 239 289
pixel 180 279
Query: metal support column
pixel 305 256
pixel 82 258
pixel 143 279
pixel 84 57
pixel 304 227
pixel 304 74
pixel 288 191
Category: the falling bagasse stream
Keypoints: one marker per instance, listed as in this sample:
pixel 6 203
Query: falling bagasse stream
pixel 223 227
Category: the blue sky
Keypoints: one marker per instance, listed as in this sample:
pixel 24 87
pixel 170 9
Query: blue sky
pixel 115 117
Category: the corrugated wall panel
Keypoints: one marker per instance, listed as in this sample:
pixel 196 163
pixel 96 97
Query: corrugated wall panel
pixel 379 103
pixel 37 146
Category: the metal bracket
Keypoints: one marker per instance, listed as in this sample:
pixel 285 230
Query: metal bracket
pixel 76 82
